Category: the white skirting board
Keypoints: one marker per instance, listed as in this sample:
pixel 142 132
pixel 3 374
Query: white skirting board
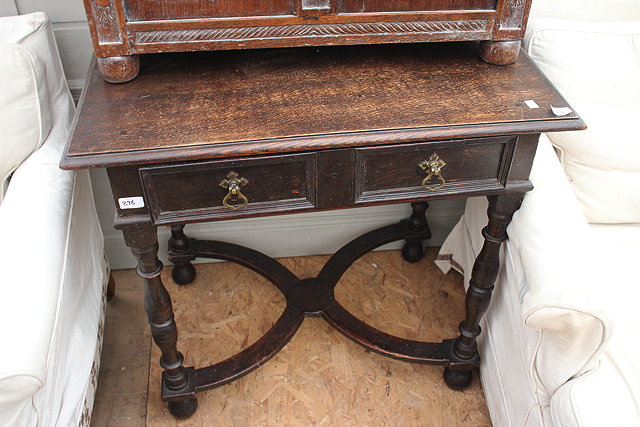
pixel 280 236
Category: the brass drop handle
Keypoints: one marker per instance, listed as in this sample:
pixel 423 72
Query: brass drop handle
pixel 433 167
pixel 233 184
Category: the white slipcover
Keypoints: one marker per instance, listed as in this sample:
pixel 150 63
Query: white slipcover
pixel 52 268
pixel 23 94
pixel 604 176
pixel 541 329
pixel 559 342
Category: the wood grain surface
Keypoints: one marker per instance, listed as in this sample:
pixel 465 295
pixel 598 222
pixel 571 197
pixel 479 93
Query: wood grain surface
pixel 168 9
pixel 360 6
pixel 230 103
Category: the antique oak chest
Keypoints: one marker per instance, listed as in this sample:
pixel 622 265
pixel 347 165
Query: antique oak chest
pixel 122 29
pixel 213 136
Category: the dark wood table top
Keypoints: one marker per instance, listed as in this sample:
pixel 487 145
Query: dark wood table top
pixel 191 106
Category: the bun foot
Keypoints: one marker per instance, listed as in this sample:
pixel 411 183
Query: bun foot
pixel 183 409
pixel 119 69
pixel 413 251
pixel 183 274
pixel 457 380
pixel 500 53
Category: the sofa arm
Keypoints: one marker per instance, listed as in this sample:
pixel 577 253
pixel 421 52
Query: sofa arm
pixel 35 214
pixel 550 237
pixel 547 262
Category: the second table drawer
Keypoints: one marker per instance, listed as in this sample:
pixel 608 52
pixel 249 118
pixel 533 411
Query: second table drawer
pixel 230 188
pixel 401 171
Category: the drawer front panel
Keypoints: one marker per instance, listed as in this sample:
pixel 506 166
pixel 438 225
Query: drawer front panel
pixel 193 192
pixel 364 6
pixel 142 10
pixel 398 172
pixel 172 9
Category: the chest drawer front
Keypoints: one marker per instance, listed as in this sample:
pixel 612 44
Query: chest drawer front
pixel 141 10
pixel 368 6
pixel 197 191
pixel 398 172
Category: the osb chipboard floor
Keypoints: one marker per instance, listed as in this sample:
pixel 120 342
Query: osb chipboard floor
pixel 321 377
pixel 121 397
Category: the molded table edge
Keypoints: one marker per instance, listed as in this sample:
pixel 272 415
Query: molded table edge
pixel 316 142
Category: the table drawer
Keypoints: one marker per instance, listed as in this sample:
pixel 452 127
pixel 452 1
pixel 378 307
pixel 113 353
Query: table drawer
pixel 225 188
pixel 398 172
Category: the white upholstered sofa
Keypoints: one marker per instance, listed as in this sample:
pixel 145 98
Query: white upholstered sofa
pixel 52 267
pixel 561 343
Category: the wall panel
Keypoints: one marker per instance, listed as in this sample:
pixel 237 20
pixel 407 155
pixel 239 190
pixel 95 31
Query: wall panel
pixel 8 8
pixel 58 10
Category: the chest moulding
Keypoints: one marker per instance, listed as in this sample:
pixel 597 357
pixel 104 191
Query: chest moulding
pixel 123 29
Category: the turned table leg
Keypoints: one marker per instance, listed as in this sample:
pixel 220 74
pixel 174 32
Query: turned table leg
pixel 413 248
pixel 183 271
pixel 143 243
pixel 483 277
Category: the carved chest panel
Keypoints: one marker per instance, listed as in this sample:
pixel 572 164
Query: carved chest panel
pixel 122 29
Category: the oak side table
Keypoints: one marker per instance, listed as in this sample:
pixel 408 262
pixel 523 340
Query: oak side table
pixel 213 136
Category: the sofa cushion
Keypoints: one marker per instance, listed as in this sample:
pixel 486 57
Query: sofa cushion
pixel 596 67
pixel 25 102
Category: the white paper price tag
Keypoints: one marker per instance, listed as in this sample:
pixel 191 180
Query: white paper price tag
pixel 131 202
pixel 561 111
